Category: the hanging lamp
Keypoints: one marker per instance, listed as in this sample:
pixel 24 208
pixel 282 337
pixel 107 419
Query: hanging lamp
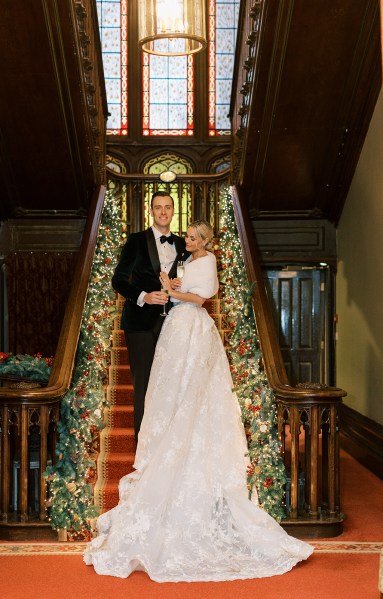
pixel 171 27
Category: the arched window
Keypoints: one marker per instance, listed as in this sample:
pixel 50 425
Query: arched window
pixel 220 164
pixel 180 193
pixel 119 191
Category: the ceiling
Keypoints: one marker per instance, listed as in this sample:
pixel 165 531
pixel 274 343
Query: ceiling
pixel 47 159
pixel 308 100
pixel 305 98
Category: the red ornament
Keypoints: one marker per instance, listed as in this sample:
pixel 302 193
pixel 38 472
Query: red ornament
pixel 268 482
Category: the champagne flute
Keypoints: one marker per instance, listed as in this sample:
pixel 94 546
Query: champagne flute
pixel 180 269
pixel 163 313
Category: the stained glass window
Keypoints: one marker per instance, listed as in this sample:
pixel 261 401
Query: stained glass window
pixel 169 82
pixel 222 33
pixel 180 192
pixel 112 18
pixel 167 107
pixel 220 164
pixel 120 194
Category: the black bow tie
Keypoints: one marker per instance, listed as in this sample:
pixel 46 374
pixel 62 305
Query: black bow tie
pixel 169 239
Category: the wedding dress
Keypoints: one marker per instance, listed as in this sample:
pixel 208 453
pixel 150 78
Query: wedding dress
pixel 184 513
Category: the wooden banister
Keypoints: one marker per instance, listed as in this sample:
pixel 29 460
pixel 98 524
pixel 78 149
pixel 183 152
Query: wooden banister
pixel 271 352
pixel 26 412
pixel 62 369
pixel 308 418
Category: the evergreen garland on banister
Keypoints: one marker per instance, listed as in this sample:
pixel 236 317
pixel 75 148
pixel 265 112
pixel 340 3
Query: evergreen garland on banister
pixel 256 399
pixel 70 503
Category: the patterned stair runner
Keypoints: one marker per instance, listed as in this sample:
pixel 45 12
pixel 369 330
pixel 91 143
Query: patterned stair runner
pixel 117 444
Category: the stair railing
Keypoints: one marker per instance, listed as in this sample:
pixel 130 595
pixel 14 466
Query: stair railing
pixel 26 412
pixel 308 415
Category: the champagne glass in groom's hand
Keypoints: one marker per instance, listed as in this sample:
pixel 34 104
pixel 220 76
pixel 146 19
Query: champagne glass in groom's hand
pixel 163 313
pixel 165 283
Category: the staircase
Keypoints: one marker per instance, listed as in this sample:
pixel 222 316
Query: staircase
pixel 117 443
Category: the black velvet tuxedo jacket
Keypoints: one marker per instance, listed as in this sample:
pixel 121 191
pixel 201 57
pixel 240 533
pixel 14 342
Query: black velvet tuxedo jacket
pixel 138 270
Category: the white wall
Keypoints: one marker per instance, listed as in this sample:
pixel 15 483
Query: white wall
pixel 360 280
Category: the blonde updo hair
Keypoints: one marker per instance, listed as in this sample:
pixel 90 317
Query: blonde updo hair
pixel 205 232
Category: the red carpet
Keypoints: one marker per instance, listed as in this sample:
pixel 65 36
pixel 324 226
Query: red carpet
pixel 323 576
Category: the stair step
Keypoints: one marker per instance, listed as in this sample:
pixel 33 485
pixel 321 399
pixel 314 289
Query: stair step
pixel 118 338
pixel 120 416
pixel 120 440
pixel 110 496
pixel 120 375
pixel 120 394
pixel 118 465
pixel 119 355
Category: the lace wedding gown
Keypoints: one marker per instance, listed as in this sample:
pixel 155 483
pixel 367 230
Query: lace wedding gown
pixel 184 514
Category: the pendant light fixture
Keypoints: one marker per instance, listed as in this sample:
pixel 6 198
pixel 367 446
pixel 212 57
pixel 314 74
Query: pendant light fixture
pixel 171 27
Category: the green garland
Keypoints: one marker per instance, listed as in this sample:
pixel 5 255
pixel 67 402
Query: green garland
pixel 255 397
pixel 24 366
pixel 71 478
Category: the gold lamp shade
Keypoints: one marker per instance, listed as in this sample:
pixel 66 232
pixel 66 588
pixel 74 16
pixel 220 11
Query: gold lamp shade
pixel 171 27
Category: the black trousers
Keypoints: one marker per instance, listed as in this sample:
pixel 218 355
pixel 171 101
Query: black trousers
pixel 141 346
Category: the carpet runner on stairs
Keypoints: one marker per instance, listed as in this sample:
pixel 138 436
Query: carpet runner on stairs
pixel 117 443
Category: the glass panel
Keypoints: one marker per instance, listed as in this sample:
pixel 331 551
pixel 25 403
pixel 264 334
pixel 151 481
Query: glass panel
pixel 168 86
pixel 112 18
pixel 222 32
pixel 120 191
pixel 168 82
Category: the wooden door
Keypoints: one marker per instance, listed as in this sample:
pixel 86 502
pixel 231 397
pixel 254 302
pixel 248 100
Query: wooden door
pixel 303 308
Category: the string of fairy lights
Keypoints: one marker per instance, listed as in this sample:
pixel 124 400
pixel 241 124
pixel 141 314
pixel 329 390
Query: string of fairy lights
pixel 266 471
pixel 71 478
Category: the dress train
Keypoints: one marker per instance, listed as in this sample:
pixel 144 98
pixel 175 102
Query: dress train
pixel 184 513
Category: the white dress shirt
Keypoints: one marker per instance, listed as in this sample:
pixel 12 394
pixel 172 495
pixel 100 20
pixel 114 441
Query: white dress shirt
pixel 167 254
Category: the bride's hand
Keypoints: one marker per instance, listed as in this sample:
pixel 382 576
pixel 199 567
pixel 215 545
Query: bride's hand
pixel 165 281
pixel 176 283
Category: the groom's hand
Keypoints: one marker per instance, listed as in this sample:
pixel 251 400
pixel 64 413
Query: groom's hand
pixel 156 297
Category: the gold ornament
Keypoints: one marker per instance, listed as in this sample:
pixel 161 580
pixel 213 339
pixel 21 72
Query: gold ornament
pixel 71 487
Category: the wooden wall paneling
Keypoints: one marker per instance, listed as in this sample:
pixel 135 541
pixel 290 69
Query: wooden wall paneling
pixel 362 438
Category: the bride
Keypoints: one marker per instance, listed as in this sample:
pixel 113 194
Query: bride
pixel 184 513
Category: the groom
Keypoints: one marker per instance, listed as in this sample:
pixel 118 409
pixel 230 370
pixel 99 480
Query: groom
pixel 136 277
